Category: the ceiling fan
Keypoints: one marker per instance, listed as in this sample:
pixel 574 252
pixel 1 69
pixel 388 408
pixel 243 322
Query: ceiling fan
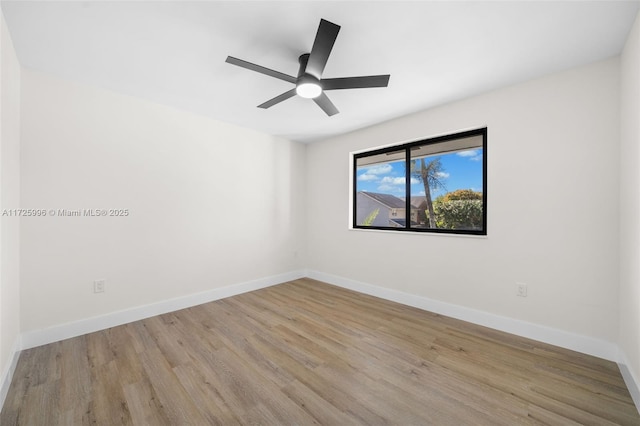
pixel 309 82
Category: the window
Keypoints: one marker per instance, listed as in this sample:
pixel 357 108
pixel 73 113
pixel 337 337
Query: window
pixel 436 185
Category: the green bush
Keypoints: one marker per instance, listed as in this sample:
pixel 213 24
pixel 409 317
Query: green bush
pixel 458 214
pixel 462 194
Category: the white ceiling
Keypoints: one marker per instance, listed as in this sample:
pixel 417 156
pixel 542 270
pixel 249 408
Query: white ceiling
pixel 173 52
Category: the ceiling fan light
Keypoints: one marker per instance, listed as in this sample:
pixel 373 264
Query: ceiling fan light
pixel 308 86
pixel 308 90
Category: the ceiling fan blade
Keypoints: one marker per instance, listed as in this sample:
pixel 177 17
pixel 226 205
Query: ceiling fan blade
pixel 260 69
pixel 325 103
pixel 278 99
pixel 355 82
pixel 322 45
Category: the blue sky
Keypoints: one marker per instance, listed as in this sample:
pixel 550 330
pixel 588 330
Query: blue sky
pixel 460 170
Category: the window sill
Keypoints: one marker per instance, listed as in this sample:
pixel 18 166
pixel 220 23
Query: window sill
pixel 434 234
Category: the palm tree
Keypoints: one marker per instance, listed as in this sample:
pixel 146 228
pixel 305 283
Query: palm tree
pixel 430 174
pixel 368 221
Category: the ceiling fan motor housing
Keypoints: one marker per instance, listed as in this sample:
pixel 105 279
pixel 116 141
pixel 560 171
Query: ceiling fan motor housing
pixel 303 59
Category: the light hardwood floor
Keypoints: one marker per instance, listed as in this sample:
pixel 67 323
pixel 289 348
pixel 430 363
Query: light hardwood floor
pixel 304 353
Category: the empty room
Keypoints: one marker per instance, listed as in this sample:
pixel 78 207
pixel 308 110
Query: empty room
pixel 319 212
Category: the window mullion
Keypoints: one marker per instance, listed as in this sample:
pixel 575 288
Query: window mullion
pixel 407 188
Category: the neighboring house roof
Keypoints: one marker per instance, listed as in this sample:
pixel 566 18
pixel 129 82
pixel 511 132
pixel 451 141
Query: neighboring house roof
pixel 388 200
pixel 417 200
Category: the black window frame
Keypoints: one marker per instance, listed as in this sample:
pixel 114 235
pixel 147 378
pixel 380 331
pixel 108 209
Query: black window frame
pixel 407 147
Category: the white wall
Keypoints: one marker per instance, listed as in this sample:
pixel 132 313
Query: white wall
pixel 210 204
pixel 9 199
pixel 630 206
pixel 553 153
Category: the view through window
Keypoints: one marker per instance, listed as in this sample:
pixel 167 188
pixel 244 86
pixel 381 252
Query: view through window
pixel 433 185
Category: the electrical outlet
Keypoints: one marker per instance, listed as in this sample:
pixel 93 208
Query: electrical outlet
pixel 521 289
pixel 99 286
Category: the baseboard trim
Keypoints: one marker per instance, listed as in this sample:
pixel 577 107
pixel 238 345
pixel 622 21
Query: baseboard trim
pixel 576 342
pixel 564 339
pixel 56 333
pixel 630 379
pixel 10 368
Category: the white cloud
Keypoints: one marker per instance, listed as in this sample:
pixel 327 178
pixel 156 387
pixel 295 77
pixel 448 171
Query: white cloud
pixel 393 180
pixel 398 180
pixel 380 169
pixel 443 175
pixel 471 154
pixel 388 188
pixel 367 177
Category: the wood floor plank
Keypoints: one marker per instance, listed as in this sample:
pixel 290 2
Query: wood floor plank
pixel 144 405
pixel 170 343
pixel 75 381
pixel 108 404
pixel 125 357
pixel 207 397
pixel 45 397
pixel 305 353
pixel 175 402
pixel 98 349
pixel 319 408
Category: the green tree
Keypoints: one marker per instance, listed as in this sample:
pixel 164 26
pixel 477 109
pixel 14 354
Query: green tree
pixel 430 174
